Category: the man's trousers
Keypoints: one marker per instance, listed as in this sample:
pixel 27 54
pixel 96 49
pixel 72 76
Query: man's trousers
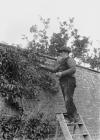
pixel 68 87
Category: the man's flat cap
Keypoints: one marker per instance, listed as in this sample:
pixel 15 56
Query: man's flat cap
pixel 64 49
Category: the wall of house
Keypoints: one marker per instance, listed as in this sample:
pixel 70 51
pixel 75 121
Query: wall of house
pixel 87 98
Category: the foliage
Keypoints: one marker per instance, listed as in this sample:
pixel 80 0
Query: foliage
pixel 38 128
pixel 34 129
pixel 40 37
pixel 94 59
pixel 61 38
pixel 55 43
pixel 9 127
pixel 21 76
pixel 68 33
pixel 80 44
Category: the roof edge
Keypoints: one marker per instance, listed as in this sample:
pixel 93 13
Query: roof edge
pixel 88 69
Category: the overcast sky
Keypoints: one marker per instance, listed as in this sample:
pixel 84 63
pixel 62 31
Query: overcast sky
pixel 16 16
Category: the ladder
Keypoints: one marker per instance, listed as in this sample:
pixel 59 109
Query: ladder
pixel 73 131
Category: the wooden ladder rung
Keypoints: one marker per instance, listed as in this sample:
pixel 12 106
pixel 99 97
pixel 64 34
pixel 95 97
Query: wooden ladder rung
pixel 82 134
pixel 73 124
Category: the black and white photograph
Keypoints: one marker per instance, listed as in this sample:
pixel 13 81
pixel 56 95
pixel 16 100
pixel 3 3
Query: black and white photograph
pixel 49 70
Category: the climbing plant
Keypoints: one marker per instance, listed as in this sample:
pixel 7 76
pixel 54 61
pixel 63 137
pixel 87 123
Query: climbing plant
pixel 21 76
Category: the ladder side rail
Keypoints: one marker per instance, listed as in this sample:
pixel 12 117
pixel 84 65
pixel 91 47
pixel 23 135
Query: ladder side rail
pixel 64 127
pixel 85 128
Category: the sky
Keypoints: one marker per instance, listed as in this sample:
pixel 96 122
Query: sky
pixel 17 16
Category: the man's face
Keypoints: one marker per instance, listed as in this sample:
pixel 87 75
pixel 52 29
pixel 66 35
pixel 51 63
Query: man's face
pixel 64 54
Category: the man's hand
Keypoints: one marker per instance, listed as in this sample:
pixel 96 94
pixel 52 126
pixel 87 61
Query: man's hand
pixel 42 66
pixel 59 74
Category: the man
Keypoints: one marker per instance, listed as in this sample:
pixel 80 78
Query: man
pixel 65 71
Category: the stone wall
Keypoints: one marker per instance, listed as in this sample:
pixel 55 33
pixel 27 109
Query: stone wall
pixel 87 98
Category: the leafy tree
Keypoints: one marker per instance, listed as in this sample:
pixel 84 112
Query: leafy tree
pixel 94 59
pixel 60 39
pixel 79 45
pixel 68 33
pixel 40 37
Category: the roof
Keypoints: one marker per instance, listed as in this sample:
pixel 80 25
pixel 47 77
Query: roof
pixel 90 69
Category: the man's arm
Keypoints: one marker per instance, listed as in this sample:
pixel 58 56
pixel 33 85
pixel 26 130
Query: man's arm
pixel 51 69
